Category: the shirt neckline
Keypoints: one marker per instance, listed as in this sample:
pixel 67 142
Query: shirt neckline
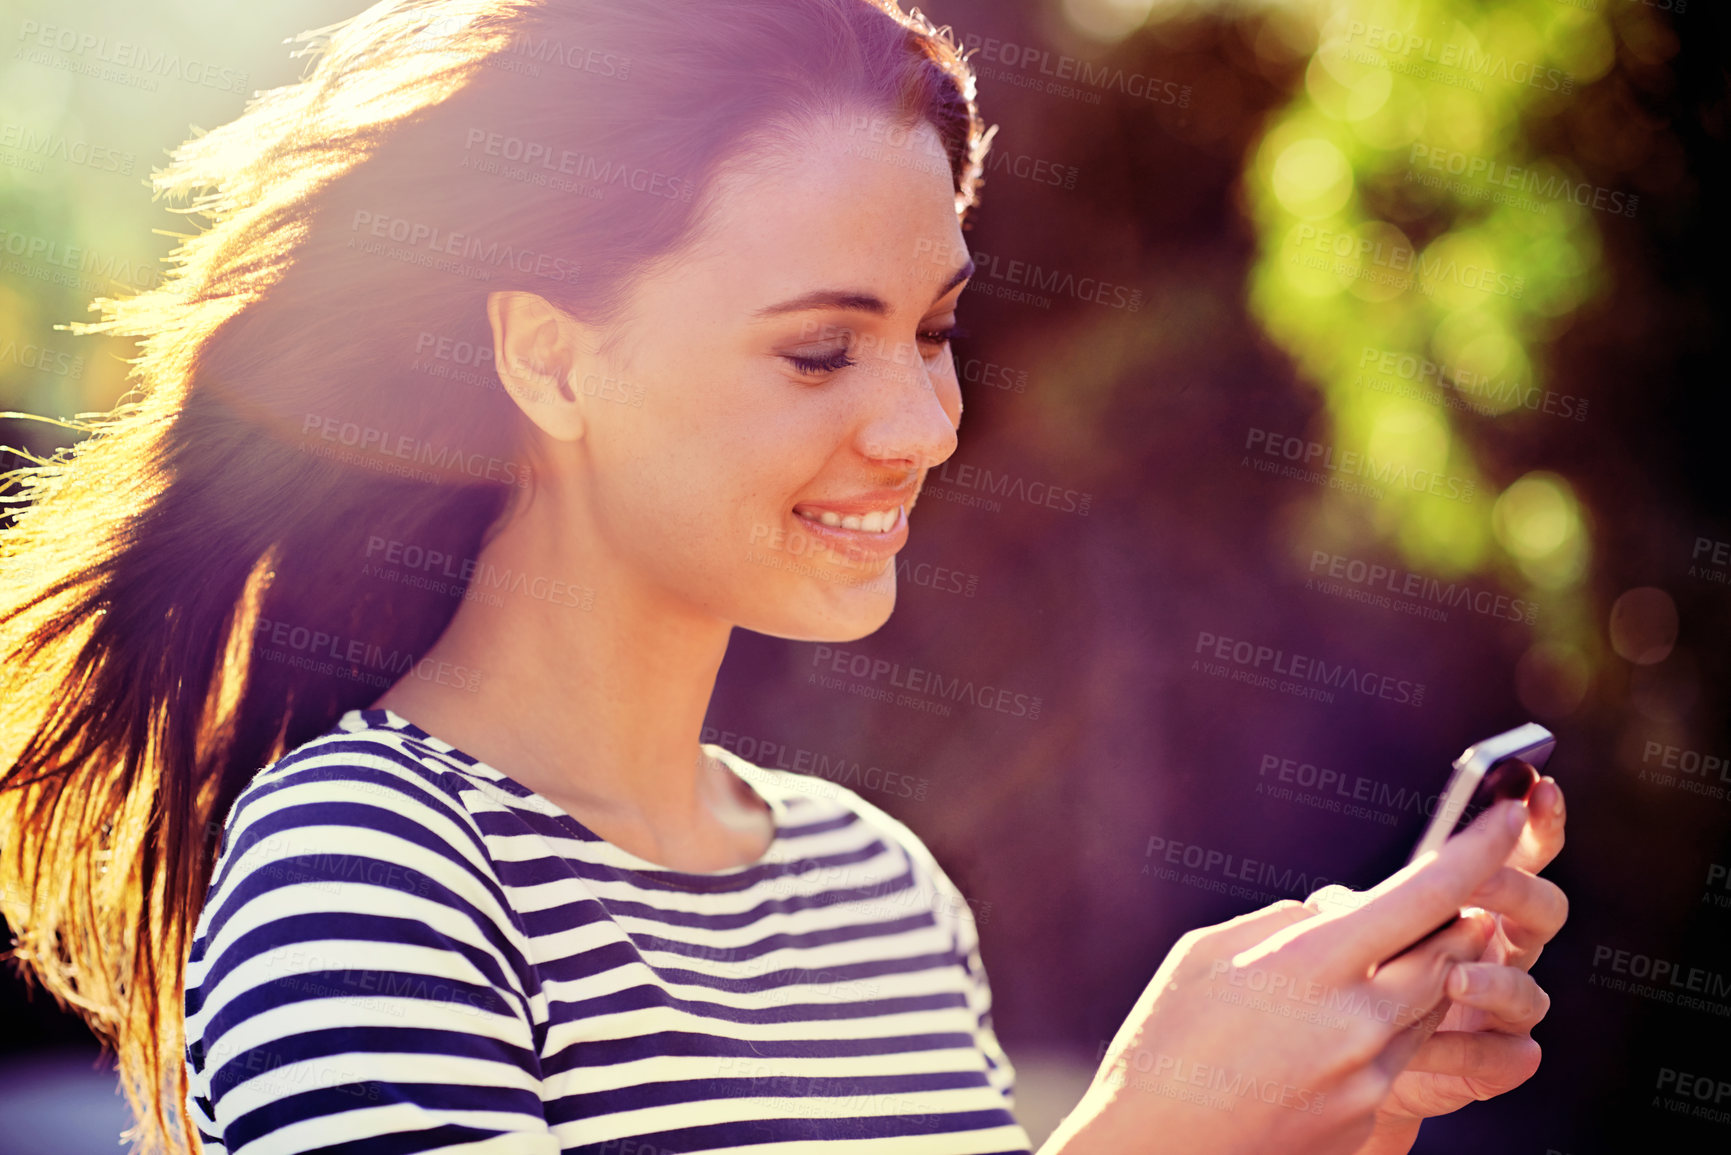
pixel 754 777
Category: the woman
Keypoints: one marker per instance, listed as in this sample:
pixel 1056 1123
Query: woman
pixel 533 346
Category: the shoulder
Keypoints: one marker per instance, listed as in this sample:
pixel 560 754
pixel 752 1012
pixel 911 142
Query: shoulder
pixel 358 810
pixel 362 775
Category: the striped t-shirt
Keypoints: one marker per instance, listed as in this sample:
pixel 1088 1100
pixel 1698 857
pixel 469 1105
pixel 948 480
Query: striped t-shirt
pixel 404 950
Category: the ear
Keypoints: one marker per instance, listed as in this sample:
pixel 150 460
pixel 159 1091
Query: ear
pixel 537 349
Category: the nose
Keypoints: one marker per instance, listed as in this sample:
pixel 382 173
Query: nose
pixel 914 410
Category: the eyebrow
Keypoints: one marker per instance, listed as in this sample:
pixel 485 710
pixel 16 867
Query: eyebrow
pixel 844 299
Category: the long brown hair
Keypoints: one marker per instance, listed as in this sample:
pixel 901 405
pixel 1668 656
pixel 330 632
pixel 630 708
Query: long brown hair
pixel 314 378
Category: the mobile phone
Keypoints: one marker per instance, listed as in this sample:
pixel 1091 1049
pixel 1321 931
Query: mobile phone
pixel 1506 766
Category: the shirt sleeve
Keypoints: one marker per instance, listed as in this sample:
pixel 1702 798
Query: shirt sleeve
pixel 357 983
pixel 954 911
pixel 999 1070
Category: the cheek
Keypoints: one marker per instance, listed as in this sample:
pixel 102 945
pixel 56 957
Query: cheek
pixel 681 490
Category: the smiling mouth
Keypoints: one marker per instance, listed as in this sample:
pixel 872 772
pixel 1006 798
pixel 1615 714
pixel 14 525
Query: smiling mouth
pixel 879 521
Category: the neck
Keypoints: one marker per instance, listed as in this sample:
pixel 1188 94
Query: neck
pixel 599 708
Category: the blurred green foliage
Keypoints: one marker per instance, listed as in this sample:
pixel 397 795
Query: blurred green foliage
pixel 1416 252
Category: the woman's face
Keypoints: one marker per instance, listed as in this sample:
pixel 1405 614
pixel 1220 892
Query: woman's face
pixel 795 385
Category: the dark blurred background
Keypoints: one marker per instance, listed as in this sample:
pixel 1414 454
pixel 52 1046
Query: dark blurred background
pixel 1229 252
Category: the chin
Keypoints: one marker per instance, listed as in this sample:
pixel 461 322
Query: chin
pixel 827 615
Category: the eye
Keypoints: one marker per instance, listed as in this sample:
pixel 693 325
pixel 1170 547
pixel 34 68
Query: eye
pixel 829 362
pixel 938 338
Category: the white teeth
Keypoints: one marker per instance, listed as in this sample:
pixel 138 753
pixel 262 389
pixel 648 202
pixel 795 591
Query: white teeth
pixel 877 521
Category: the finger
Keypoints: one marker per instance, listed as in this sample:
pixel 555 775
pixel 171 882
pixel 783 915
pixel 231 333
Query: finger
pixel 1247 930
pixel 1489 1063
pixel 1406 988
pixel 1504 992
pixel 1533 909
pixel 1407 1005
pixel 1399 1051
pixel 1334 899
pixel 1415 900
pixel 1541 841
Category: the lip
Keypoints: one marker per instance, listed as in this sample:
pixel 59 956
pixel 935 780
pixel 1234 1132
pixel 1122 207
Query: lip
pixel 863 503
pixel 857 546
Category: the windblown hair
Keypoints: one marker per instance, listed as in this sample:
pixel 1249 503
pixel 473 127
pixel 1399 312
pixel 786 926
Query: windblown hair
pixel 314 378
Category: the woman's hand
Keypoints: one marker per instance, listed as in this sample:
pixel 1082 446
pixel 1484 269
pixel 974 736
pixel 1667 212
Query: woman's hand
pixel 1483 1046
pixel 1284 1029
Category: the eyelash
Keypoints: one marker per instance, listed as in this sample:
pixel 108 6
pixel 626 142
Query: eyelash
pixel 830 362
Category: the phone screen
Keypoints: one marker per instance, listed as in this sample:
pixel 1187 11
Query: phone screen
pixel 1510 778
pixel 1506 765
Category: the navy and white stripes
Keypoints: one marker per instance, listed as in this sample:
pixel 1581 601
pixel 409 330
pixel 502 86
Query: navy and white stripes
pixel 403 951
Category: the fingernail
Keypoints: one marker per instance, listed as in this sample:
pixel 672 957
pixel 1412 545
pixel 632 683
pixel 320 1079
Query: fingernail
pixel 1517 817
pixel 1461 982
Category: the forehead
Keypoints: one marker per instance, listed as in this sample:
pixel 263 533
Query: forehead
pixel 853 200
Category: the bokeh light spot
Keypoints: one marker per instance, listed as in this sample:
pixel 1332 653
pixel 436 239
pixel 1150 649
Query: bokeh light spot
pixel 1107 20
pixel 1538 521
pixel 1312 179
pixel 1644 625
